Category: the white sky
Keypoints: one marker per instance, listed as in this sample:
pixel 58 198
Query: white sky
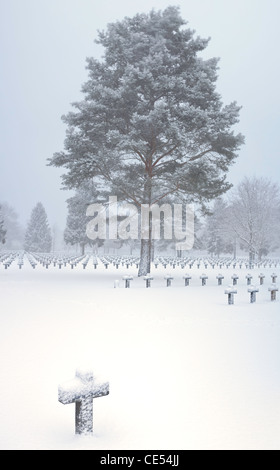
pixel 43 47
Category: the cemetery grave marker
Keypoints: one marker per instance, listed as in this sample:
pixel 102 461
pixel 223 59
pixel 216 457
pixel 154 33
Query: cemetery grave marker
pixel 253 291
pixel 273 289
pixel 81 391
pixel 230 291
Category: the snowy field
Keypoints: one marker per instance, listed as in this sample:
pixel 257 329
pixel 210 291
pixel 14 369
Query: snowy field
pixel 186 370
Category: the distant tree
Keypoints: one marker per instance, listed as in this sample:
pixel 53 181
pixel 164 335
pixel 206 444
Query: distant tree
pixel 77 220
pixel 254 215
pixel 15 232
pixel 2 228
pixel 218 236
pixel 151 125
pixel 165 245
pixel 38 234
pixel 198 234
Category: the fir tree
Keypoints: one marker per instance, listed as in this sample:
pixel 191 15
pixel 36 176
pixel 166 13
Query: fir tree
pixel 151 125
pixel 75 231
pixel 38 234
pixel 219 238
pixel 15 233
pixel 2 228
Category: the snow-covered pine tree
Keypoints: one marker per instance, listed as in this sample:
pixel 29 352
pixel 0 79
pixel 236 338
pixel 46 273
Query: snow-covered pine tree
pixel 218 236
pixel 15 233
pixel 38 234
pixel 75 231
pixel 2 228
pixel 151 125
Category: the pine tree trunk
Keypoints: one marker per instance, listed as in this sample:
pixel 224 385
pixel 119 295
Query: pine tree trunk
pixel 152 250
pixel 145 258
pixel 146 244
pixel 82 248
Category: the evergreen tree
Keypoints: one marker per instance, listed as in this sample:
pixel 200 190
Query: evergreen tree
pixel 75 231
pixel 38 234
pixel 15 233
pixel 2 228
pixel 218 235
pixel 151 126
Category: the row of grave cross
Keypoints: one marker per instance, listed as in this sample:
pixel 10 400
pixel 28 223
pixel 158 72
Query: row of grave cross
pixel 232 290
pixel 67 259
pixel 187 277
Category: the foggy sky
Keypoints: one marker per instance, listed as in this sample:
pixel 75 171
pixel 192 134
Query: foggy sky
pixel 43 47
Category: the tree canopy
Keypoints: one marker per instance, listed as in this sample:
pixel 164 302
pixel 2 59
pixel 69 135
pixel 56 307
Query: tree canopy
pixel 38 234
pixel 76 223
pixel 151 126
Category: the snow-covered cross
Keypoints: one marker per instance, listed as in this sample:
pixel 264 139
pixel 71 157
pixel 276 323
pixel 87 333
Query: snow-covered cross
pixel 187 278
pixel 230 291
pixel 148 278
pixel 249 279
pixel 203 278
pixel 253 291
pixel 127 280
pixel 168 280
pixel 81 391
pixel 273 289
pixel 220 278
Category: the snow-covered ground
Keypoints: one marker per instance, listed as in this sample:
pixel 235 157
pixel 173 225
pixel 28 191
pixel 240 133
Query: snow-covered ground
pixel 186 370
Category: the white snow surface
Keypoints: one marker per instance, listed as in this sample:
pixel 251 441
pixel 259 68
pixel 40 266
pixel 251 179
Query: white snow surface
pixel 186 370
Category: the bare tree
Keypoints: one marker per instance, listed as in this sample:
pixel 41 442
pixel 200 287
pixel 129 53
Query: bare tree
pixel 253 215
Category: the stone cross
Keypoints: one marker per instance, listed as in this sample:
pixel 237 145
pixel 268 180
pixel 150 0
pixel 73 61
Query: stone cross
pixel 148 278
pixel 81 391
pixel 168 280
pixel 230 291
pixel 203 278
pixel 127 280
pixel 253 291
pixel 220 278
pixel 249 278
pixel 273 289
pixel 187 278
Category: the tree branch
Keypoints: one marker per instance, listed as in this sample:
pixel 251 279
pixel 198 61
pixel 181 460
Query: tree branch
pixel 164 155
pixel 196 157
pixel 166 194
pixel 141 157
